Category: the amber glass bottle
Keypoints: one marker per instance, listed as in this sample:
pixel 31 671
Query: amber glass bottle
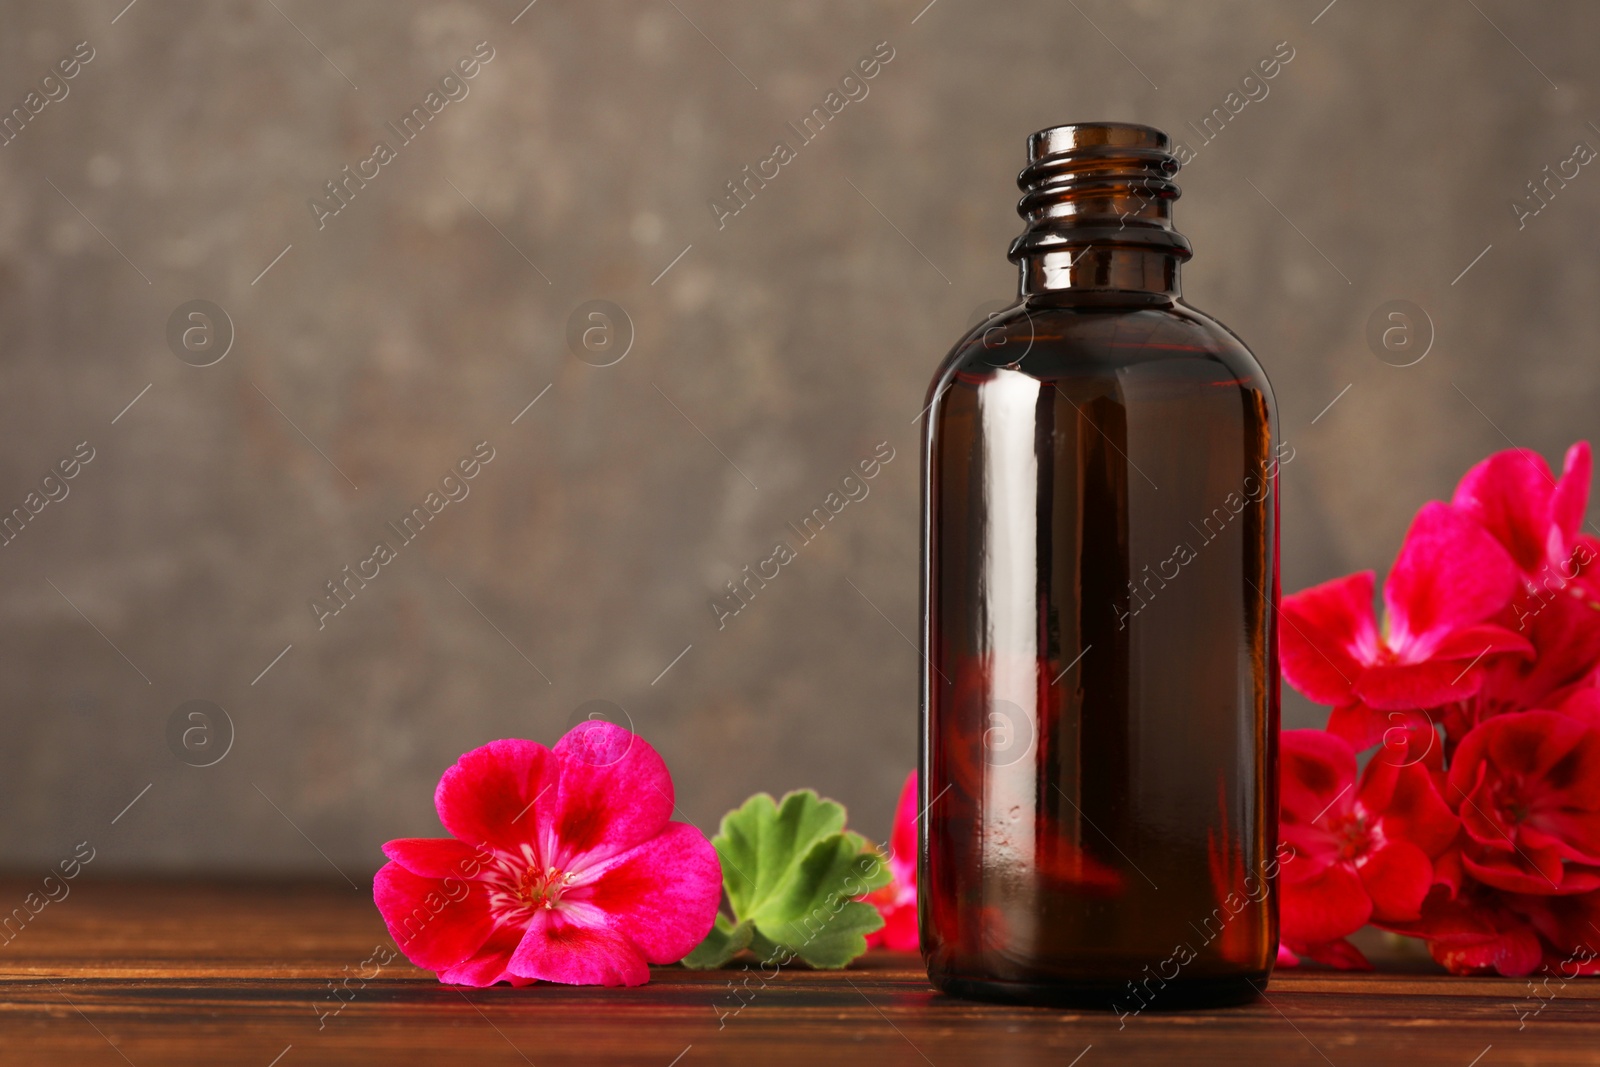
pixel 1100 592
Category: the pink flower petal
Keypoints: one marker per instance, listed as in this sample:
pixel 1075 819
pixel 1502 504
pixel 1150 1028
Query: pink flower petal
pixel 437 857
pixel 437 924
pixel 899 932
pixel 1314 849
pixel 1569 922
pixel 1472 643
pixel 897 901
pixel 1514 953
pixel 903 837
pixel 1318 779
pixel 1485 823
pixel 1340 954
pixel 1329 632
pixel 1569 501
pixel 1330 906
pixel 1450 573
pixel 1414 810
pixel 1533 743
pixel 1449 872
pixel 1475 936
pixel 1362 727
pixel 1565 629
pixel 662 895
pixel 1582 704
pixel 1574 780
pixel 614 793
pixel 1524 871
pixel 489 964
pixel 1574 834
pixel 1577 878
pixel 1396 876
pixel 1509 494
pixel 1585 553
pixel 494 795
pixel 558 949
pixel 1394 687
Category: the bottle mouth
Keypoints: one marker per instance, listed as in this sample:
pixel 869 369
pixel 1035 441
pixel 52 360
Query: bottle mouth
pixel 1098 183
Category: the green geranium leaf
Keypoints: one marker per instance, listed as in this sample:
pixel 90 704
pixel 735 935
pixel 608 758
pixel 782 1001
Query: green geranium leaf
pixel 725 941
pixel 791 872
pixel 763 841
pixel 814 912
pixel 768 951
pixel 840 939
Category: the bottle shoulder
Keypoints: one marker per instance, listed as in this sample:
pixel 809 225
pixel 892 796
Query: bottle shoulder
pixel 1078 341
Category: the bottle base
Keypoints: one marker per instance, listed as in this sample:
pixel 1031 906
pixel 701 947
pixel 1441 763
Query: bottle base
pixel 1118 997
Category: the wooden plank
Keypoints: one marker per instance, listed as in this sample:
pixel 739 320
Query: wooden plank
pixel 218 973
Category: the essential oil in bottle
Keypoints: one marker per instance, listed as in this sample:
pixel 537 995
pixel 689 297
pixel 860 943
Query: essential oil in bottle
pixel 1099 609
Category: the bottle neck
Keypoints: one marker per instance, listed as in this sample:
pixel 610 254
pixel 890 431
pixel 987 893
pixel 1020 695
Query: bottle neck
pixel 1100 274
pixel 1097 212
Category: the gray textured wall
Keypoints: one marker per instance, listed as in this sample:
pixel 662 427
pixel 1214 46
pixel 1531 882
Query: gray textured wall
pixel 777 351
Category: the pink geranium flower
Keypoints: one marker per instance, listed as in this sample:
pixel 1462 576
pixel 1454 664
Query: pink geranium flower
pixel 1568 924
pixel 1474 931
pixel 897 901
pixel 564 866
pixel 1539 519
pixel 1363 851
pixel 1450 577
pixel 1534 515
pixel 1527 787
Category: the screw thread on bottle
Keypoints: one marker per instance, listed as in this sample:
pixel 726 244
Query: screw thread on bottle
pixel 1102 183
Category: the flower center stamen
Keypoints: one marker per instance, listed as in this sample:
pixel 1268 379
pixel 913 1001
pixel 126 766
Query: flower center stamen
pixel 1512 801
pixel 1353 836
pixel 537 888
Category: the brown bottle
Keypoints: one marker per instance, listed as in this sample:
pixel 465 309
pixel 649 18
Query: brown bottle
pixel 1100 595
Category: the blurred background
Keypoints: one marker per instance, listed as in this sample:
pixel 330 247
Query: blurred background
pixel 272 340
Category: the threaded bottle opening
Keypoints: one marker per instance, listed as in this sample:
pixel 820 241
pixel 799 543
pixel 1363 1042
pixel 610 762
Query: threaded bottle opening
pixel 1098 183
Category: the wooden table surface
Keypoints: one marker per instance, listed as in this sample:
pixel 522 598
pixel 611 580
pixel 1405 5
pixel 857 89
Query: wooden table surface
pixel 163 973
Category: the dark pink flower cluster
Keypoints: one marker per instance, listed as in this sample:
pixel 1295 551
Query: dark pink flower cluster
pixel 1475 822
